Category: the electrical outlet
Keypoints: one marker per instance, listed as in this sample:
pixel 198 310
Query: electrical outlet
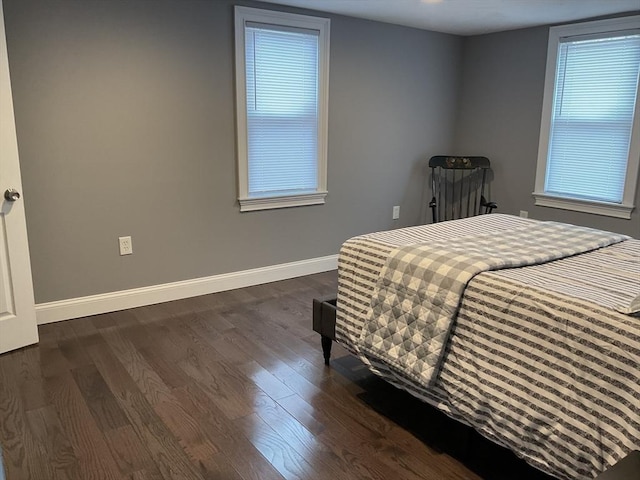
pixel 396 212
pixel 126 247
pixel 524 214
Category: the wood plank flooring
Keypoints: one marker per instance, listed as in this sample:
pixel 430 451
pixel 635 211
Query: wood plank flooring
pixel 224 386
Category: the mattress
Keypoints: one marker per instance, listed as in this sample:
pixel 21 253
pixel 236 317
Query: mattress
pixel 540 358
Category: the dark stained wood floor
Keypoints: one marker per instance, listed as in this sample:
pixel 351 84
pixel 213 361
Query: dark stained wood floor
pixel 224 386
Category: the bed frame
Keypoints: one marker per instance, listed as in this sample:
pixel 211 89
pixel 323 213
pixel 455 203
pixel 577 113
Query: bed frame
pixel 324 322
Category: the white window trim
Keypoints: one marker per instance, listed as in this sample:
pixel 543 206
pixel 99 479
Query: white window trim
pixel 242 16
pixel 623 209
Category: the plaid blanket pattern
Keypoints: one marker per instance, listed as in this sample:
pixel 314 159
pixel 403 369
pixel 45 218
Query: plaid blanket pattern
pixel 418 293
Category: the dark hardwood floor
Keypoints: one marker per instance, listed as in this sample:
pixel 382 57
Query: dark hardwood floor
pixel 224 386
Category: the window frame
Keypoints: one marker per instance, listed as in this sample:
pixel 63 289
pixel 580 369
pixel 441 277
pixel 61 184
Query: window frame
pixel 618 210
pixel 243 15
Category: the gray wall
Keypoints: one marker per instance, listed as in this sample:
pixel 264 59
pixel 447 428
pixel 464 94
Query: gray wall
pixel 499 112
pixel 126 126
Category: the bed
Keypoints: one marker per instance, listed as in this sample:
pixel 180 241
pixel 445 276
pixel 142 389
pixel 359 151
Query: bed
pixel 540 354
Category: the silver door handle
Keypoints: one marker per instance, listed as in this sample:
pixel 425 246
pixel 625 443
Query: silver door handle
pixel 11 194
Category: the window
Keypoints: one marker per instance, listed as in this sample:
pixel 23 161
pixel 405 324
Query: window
pixel 590 134
pixel 282 78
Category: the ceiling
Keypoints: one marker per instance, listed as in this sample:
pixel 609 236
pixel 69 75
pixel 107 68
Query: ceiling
pixel 469 17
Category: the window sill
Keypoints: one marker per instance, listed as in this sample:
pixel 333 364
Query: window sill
pixel 284 201
pixel 616 210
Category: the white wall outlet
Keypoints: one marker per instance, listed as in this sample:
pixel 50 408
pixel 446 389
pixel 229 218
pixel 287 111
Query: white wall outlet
pixel 396 212
pixel 126 247
pixel 524 214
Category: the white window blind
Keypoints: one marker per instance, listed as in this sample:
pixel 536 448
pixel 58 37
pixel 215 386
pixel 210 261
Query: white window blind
pixel 592 117
pixel 282 109
pixel 282 98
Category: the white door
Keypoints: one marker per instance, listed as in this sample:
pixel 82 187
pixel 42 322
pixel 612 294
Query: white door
pixel 17 308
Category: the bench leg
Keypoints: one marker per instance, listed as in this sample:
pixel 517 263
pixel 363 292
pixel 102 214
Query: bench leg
pixel 326 349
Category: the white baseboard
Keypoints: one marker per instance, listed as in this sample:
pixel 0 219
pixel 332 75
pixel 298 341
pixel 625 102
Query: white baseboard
pixel 138 297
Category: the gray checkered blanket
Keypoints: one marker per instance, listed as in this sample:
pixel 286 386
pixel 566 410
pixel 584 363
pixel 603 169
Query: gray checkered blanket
pixel 418 293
